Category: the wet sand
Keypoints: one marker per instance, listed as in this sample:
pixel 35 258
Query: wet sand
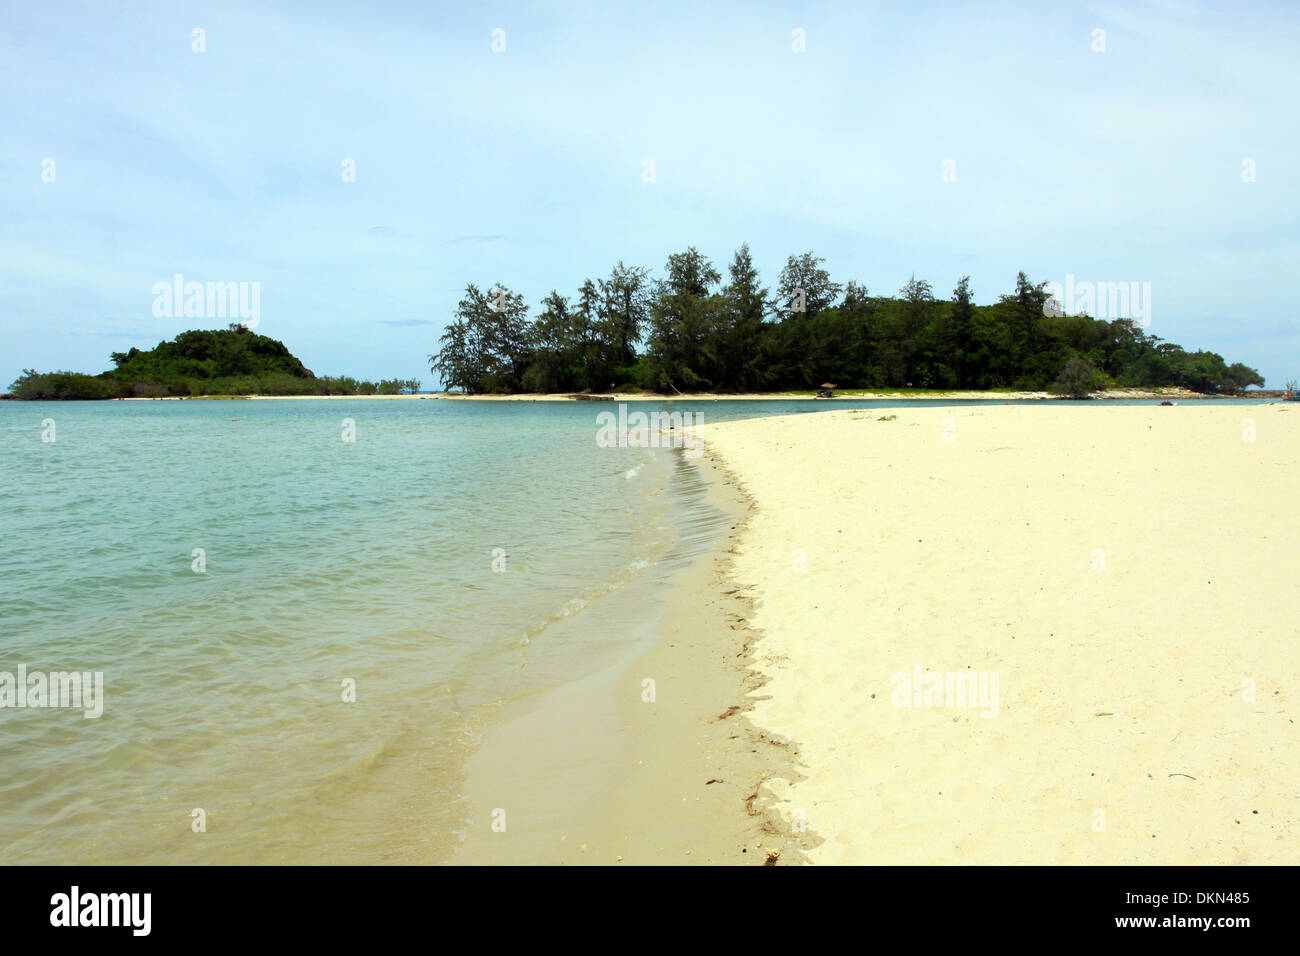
pixel 594 772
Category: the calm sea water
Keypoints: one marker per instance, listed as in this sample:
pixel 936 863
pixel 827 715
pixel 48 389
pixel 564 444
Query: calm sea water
pixel 235 567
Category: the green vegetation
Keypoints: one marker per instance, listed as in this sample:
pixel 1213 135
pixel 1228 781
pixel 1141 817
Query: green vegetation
pixel 233 362
pixel 703 333
pixel 1079 379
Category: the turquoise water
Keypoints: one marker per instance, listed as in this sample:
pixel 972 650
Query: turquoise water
pixel 453 557
pixel 323 560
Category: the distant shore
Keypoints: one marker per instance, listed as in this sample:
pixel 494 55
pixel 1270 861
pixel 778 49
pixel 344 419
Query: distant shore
pixel 1114 394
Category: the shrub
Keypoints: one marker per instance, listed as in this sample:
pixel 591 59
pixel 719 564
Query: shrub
pixel 64 386
pixel 1078 379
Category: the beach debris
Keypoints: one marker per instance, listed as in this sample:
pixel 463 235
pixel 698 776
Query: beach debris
pixel 734 708
pixel 772 857
pixel 1187 775
pixel 1103 713
pixel 714 780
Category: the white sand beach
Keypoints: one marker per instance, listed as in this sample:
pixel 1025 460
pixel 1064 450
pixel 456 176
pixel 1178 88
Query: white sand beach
pixel 1126 575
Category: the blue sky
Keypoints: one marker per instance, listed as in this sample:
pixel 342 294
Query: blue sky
pixel 526 166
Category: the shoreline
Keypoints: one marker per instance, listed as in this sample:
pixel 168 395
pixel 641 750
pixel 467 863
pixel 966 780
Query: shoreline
pixel 961 395
pixel 600 776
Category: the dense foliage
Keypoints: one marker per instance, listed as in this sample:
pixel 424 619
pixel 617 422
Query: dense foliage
pixel 231 361
pixel 702 332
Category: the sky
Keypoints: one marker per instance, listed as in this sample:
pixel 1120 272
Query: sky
pixel 535 145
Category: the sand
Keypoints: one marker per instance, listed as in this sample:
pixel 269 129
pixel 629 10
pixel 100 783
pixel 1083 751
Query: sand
pixel 1127 575
pixel 1120 579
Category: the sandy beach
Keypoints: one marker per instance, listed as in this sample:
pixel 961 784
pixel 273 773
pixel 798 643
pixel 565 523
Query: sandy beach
pixel 1111 585
pixel 1116 586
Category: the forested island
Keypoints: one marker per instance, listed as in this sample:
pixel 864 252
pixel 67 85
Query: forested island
pixel 693 332
pixel 232 361
pixel 702 334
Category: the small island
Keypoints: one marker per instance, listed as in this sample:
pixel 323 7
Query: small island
pixel 233 362
pixel 703 333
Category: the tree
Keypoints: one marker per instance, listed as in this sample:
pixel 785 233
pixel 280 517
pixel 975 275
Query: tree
pixel 587 335
pixel 1025 309
pixel 958 334
pixel 123 358
pixel 917 293
pixel 505 337
pixel 485 348
pixel 625 308
pixel 458 363
pixel 691 273
pixel 1240 377
pixel 683 348
pixel 855 296
pixel 804 288
pixel 745 302
pixel 1078 379
pixel 397 386
pixel 556 363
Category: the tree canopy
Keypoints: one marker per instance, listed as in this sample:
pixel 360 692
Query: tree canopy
pixel 230 361
pixel 701 333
